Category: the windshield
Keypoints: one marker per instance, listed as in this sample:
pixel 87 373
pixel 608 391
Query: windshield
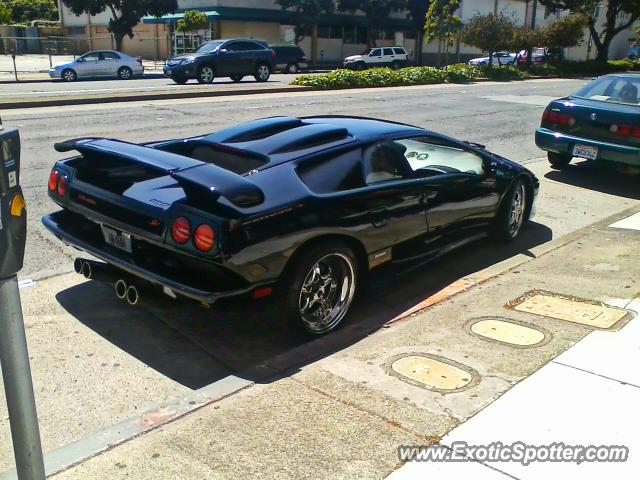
pixel 367 51
pixel 612 89
pixel 209 47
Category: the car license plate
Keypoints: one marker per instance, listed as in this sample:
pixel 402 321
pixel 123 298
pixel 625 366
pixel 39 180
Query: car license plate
pixel 584 151
pixel 117 239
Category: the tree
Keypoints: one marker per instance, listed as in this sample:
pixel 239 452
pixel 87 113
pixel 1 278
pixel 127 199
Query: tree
pixel 193 20
pixel 25 11
pixel 565 32
pixel 620 15
pixel 527 39
pixel 125 14
pixel 418 14
pixel 5 13
pixel 375 11
pixel 441 22
pixel 305 14
pixel 489 33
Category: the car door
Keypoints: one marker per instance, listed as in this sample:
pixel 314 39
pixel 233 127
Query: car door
pixel 375 58
pixel 388 56
pixel 459 186
pixel 228 59
pixel 110 63
pixel 88 65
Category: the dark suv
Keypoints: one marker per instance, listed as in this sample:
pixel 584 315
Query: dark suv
pixel 234 58
pixel 289 58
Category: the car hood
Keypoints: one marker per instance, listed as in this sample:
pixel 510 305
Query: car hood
pixel 480 59
pixel 354 57
pixel 64 65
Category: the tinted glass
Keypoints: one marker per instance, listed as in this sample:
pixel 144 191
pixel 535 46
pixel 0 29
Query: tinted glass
pixel 91 57
pixel 376 53
pixel 388 51
pixel 399 51
pixel 110 56
pixel 613 89
pixel 209 47
pixel 333 173
pixel 243 46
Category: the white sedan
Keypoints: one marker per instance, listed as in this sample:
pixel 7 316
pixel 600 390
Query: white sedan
pixel 103 63
pixel 499 59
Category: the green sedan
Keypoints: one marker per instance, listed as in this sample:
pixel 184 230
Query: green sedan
pixel 599 122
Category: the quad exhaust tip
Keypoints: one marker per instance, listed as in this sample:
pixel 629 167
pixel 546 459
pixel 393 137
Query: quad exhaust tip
pixel 121 289
pixel 87 270
pixel 132 295
pixel 78 264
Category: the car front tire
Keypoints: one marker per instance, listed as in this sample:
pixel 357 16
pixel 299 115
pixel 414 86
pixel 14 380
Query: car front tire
pixel 69 75
pixel 559 161
pixel 263 72
pixel 319 288
pixel 513 213
pixel 125 73
pixel 206 74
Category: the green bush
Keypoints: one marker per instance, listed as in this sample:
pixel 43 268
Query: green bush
pixel 421 75
pixel 592 67
pixel 376 77
pixel 543 70
pixel 461 72
pixel 506 72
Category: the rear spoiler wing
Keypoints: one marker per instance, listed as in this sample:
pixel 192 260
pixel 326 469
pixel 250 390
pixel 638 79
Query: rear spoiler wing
pixel 202 182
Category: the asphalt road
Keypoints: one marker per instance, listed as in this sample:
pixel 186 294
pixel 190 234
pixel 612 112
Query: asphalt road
pixel 155 83
pixel 501 116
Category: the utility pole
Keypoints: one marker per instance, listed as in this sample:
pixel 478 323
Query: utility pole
pixel 14 357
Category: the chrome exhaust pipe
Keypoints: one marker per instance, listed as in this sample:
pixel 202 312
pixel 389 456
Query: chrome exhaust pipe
pixel 78 264
pixel 121 289
pixel 133 296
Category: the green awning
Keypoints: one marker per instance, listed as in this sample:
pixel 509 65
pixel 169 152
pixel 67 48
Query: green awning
pixel 174 17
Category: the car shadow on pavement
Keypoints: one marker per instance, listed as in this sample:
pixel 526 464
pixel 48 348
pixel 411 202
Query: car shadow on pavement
pixel 195 346
pixel 600 178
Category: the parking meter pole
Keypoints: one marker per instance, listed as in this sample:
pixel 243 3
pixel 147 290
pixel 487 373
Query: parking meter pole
pixel 18 386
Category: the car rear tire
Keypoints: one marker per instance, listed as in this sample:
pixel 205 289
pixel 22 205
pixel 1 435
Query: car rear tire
pixel 125 73
pixel 319 287
pixel 513 213
pixel 206 74
pixel 236 78
pixel 263 72
pixel 180 80
pixel 292 68
pixel 559 161
pixel 69 75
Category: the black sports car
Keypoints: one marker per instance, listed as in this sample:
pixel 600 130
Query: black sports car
pixel 299 207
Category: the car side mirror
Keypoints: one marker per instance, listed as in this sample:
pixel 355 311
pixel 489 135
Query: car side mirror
pixel 490 167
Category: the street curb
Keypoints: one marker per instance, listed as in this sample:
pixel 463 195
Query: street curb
pixel 141 97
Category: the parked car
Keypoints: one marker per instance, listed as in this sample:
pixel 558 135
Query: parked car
pixel 499 59
pixel 634 52
pixel 103 63
pixel 235 58
pixel 289 58
pixel 394 57
pixel 541 55
pixel 601 122
pixel 297 207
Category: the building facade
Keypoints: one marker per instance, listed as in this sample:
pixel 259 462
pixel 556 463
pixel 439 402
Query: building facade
pixel 337 35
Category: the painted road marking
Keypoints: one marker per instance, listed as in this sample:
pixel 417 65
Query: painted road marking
pixel 431 373
pixel 597 316
pixel 502 330
pixel 535 100
pixel 629 223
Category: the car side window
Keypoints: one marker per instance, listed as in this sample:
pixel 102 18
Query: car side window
pixel 243 46
pixel 399 51
pixel 91 57
pixel 429 157
pixel 376 53
pixel 388 51
pixel 109 56
pixel 334 172
pixel 385 162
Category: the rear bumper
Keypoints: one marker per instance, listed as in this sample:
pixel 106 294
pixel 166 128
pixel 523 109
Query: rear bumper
pixel 609 152
pixel 55 224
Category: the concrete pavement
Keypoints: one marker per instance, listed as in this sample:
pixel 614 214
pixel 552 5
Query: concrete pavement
pixel 343 413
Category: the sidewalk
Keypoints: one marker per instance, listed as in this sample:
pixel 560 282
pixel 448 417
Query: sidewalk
pixel 418 380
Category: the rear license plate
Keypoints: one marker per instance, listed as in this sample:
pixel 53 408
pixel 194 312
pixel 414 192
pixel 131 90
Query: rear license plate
pixel 584 151
pixel 117 239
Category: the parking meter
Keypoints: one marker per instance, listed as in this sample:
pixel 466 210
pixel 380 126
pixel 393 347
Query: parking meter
pixel 13 215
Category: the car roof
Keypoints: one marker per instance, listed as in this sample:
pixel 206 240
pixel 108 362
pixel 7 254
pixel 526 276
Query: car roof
pixel 282 139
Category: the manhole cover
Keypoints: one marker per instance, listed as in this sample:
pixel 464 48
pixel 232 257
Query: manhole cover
pixel 598 316
pixel 505 331
pixel 431 372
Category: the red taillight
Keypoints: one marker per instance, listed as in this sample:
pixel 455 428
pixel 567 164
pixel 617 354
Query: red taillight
pixel 625 130
pixel 53 180
pixel 558 118
pixel 273 54
pixel 204 238
pixel 181 230
pixel 63 183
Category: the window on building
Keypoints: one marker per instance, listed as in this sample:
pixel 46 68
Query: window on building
pixel 410 35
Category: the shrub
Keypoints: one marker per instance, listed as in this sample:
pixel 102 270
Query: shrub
pixel 543 70
pixel 507 72
pixel 592 67
pixel 376 77
pixel 462 72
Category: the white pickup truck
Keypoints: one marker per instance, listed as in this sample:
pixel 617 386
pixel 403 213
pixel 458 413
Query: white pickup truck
pixel 394 57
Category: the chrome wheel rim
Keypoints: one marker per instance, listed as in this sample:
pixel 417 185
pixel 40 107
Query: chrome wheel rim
pixel 326 293
pixel 516 214
pixel 206 74
pixel 263 72
pixel 69 76
pixel 125 73
pixel 293 69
